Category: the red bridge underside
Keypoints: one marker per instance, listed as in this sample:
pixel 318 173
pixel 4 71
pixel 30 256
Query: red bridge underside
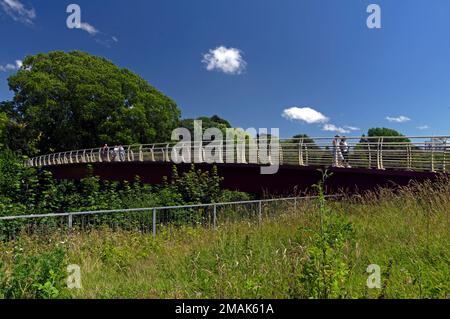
pixel 289 180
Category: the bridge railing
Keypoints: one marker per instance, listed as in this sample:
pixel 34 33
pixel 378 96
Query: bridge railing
pixel 417 154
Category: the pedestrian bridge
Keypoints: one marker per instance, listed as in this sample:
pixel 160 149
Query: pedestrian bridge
pixel 361 162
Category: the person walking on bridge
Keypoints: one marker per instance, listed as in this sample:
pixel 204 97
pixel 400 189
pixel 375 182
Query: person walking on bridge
pixel 121 153
pixel 104 152
pixel 337 153
pixel 345 149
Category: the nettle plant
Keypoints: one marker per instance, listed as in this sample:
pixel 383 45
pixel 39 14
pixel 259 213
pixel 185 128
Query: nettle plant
pixel 325 269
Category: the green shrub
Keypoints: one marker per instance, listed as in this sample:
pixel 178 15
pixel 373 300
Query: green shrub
pixel 35 276
pixel 325 270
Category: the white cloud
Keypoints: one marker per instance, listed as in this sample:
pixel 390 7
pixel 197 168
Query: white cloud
pixel 311 116
pixel 18 12
pixel 398 119
pixel 334 128
pixel 101 37
pixel 304 114
pixel 227 60
pixel 352 128
pixel 11 67
pixel 89 28
pixel 423 127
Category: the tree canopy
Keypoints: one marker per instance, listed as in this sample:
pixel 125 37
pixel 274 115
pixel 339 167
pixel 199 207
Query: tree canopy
pixel 207 122
pixel 75 100
pixel 383 131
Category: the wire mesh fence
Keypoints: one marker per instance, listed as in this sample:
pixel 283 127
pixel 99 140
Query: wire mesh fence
pixel 151 220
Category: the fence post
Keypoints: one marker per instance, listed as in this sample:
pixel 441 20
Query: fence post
pixel 408 157
pixel 380 154
pixel 167 153
pixel 432 158
pixel 154 222
pixel 295 203
pixel 70 221
pixel 260 211
pixel 443 158
pixel 300 153
pixel 215 215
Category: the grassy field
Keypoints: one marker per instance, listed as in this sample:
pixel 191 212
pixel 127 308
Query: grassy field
pixel 319 250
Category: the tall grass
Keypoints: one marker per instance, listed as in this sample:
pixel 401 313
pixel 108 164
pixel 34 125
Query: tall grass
pixel 318 250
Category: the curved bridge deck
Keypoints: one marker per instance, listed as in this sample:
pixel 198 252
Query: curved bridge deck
pixel 288 180
pixel 360 163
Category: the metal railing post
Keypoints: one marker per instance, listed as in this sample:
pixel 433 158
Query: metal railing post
pixel 432 158
pixel 306 155
pixel 152 153
pixel 141 155
pixel 128 154
pixel 260 211
pixel 409 157
pixel 280 149
pixel 300 153
pixel 380 154
pixel 154 223
pixel 443 157
pixel 70 221
pixel 201 153
pixel 215 216
pixel 167 153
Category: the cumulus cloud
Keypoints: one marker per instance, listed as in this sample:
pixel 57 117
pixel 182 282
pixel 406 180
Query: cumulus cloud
pixel 100 37
pixel 351 128
pixel 423 127
pixel 18 12
pixel 227 60
pixel 11 67
pixel 334 128
pixel 304 114
pixel 398 119
pixel 89 28
pixel 310 116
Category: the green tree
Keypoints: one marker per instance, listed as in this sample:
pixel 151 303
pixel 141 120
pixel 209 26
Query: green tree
pixel 207 122
pixel 196 186
pixel 306 139
pixel 387 132
pixel 77 100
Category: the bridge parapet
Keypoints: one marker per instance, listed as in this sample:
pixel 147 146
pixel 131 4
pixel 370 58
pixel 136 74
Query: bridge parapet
pixel 413 153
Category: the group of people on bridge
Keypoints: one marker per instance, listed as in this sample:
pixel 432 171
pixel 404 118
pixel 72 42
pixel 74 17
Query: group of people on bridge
pixel 341 151
pixel 117 153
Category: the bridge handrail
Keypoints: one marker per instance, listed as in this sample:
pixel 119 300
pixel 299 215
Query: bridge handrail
pixel 421 153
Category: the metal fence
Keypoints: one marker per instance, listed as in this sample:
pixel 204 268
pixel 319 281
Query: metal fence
pixel 416 153
pixel 151 220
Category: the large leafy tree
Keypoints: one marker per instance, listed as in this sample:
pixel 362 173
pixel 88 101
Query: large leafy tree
pixel 306 139
pixel 76 100
pixel 207 122
pixel 394 136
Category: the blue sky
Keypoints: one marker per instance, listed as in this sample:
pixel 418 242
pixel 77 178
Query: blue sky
pixel 314 60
